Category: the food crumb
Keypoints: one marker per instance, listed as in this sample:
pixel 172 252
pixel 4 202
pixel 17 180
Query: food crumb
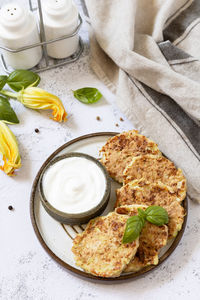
pixel 10 207
pixel 98 118
pixel 37 130
pixel 121 119
pixel 117 125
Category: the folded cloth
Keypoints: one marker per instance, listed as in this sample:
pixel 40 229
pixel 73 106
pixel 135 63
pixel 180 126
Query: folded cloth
pixel 148 52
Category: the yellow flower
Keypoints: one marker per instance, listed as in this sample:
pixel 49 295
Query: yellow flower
pixel 36 98
pixel 9 150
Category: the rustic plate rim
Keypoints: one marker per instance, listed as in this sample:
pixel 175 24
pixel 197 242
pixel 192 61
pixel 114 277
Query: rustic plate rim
pixel 68 267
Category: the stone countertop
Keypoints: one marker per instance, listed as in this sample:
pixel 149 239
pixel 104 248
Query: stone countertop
pixel 26 271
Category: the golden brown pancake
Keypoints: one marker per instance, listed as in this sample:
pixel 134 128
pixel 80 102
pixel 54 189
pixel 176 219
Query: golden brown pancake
pixel 99 249
pixel 144 193
pixel 156 169
pixel 151 240
pixel 119 150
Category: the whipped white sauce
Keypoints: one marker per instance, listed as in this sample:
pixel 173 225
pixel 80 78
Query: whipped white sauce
pixel 74 185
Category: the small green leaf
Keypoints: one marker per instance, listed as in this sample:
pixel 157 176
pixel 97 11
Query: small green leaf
pixel 156 215
pixel 7 114
pixel 142 213
pixel 133 228
pixel 3 80
pixel 87 95
pixel 21 79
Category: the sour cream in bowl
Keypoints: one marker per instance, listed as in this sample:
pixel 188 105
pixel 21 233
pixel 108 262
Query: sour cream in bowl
pixel 74 188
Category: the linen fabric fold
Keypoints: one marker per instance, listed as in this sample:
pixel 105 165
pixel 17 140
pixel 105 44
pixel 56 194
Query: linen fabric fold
pixel 148 52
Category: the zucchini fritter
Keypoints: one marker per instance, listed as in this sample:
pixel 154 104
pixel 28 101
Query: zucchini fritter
pixel 119 150
pixel 157 169
pixel 99 249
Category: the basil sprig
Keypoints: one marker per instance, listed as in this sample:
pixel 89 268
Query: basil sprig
pixel 87 95
pixel 156 215
pixel 7 114
pixel 21 79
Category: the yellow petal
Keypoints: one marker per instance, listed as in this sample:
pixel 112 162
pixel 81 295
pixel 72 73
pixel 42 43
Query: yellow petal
pixel 36 98
pixel 9 150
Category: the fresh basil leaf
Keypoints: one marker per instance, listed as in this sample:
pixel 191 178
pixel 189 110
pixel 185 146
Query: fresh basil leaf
pixel 21 79
pixel 87 95
pixel 3 80
pixel 7 114
pixel 133 228
pixel 157 215
pixel 142 213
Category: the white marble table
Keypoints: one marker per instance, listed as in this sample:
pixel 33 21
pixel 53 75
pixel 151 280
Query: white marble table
pixel 26 271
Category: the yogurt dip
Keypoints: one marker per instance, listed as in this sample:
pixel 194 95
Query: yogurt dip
pixel 74 185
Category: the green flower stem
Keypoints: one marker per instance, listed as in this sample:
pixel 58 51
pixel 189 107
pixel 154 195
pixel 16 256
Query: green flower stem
pixel 9 94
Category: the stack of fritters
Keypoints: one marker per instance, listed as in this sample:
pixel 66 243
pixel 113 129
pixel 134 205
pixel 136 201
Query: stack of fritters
pixel 148 179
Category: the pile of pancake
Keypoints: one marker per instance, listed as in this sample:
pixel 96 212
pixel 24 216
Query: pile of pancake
pixel 148 178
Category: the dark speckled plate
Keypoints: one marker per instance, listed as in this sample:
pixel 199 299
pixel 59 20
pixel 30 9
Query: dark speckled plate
pixel 57 238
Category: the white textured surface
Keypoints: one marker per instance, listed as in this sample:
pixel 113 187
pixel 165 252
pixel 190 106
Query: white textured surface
pixel 26 271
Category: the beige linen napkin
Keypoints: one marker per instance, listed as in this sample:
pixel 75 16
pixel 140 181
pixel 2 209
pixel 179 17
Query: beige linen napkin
pixel 148 53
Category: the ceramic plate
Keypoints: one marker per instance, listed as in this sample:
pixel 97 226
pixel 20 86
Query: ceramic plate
pixel 57 238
